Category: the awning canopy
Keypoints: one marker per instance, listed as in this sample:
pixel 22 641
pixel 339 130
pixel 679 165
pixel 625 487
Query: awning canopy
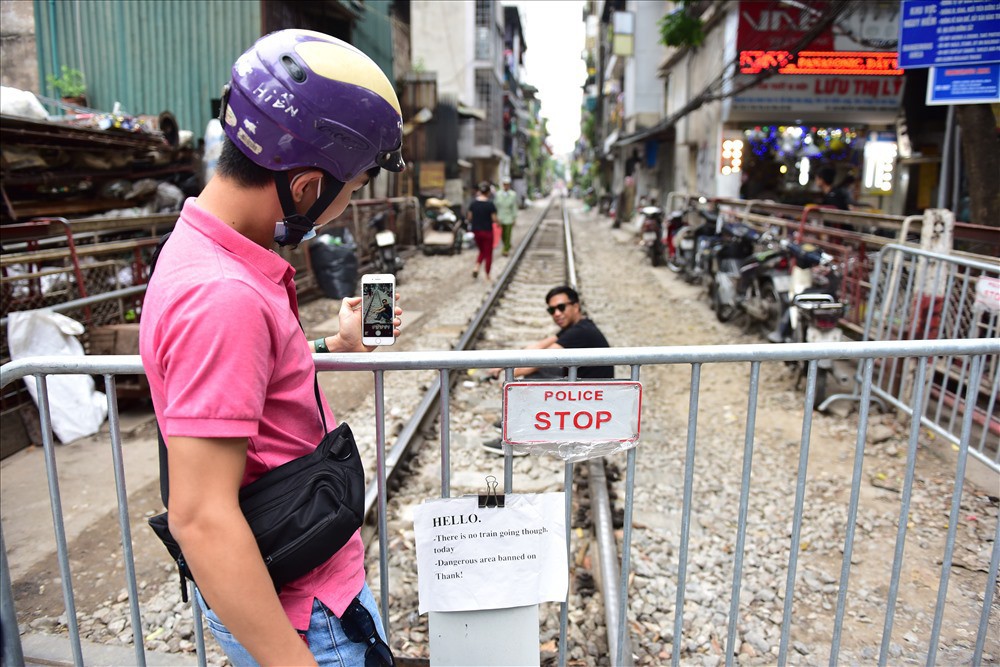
pixel 471 112
pixel 610 141
pixel 662 131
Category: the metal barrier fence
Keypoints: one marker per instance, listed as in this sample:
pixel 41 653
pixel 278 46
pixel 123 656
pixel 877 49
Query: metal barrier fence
pixel 921 295
pixel 976 356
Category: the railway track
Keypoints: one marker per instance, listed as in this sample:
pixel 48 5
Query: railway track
pixel 510 315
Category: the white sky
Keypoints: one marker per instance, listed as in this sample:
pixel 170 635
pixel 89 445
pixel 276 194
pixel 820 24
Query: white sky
pixel 554 31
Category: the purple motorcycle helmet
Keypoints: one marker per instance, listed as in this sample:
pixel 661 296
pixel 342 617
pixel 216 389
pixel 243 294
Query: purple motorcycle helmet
pixel 300 98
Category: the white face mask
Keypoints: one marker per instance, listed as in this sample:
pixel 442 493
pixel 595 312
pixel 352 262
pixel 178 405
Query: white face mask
pixel 279 231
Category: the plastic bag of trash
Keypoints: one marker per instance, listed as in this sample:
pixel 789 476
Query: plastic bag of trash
pixel 23 103
pixel 76 408
pixel 335 262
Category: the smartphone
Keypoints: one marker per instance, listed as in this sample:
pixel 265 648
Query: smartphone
pixel 378 308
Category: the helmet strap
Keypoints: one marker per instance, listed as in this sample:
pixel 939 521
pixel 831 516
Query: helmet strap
pixel 297 225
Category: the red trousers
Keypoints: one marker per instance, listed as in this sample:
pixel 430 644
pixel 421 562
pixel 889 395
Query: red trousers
pixel 484 241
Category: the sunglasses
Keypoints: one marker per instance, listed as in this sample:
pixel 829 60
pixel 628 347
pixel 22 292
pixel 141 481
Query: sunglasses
pixel 359 626
pixel 561 307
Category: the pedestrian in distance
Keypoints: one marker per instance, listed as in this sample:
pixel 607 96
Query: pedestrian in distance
pixel 309 120
pixel 482 215
pixel 506 204
pixel 832 196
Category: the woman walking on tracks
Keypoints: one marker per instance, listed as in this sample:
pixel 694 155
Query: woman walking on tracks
pixel 482 216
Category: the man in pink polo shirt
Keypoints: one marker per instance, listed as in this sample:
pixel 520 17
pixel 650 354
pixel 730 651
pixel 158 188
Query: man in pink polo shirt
pixel 309 120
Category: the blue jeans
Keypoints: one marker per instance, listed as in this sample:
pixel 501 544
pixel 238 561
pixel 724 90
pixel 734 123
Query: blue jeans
pixel 326 638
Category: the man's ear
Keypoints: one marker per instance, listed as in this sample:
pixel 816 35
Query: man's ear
pixel 304 181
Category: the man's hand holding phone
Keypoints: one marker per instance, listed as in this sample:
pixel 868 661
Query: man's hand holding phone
pixel 349 338
pixel 378 309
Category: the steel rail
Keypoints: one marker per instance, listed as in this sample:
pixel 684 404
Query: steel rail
pixel 619 645
pixel 427 410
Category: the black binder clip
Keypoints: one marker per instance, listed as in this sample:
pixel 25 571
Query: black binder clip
pixel 491 498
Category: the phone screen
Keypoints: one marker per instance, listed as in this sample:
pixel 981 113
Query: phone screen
pixel 378 306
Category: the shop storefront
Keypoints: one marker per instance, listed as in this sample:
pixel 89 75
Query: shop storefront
pixel 833 104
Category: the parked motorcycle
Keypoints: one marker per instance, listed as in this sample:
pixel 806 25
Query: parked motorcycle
pixel 443 231
pixel 762 290
pixel 675 222
pixel 818 322
pixel 694 244
pixel 382 249
pixel 653 234
pixel 735 244
pixel 814 316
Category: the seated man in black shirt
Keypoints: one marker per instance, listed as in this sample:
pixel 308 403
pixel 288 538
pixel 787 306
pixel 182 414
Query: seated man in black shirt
pixel 575 331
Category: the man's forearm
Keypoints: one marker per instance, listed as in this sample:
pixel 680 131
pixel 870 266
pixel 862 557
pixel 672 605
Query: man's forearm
pixel 231 576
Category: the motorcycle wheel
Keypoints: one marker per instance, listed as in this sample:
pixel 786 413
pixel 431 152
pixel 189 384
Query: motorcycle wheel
pixel 723 312
pixel 770 297
pixel 656 254
pixel 675 264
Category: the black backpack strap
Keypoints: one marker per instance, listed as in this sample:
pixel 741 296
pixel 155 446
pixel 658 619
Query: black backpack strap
pixel 164 474
pixel 319 404
pixel 161 445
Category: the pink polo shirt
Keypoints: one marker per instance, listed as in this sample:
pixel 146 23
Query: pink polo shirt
pixel 225 357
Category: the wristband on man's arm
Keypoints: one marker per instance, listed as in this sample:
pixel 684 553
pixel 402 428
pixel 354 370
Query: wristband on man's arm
pixel 320 345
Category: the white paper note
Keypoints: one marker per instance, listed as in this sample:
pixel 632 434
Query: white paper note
pixel 491 558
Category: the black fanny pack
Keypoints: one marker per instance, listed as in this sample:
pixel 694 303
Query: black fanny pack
pixel 300 513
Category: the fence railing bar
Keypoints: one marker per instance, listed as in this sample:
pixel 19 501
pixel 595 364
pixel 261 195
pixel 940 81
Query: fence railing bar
pixel 958 393
pixel 800 496
pixel 741 526
pixel 12 653
pixel 91 300
pixel 383 532
pixel 852 509
pixel 508 461
pixel 422 360
pixel 199 630
pixel 928 308
pixel 626 559
pixel 564 605
pixel 55 500
pixel 692 434
pixel 887 316
pixel 954 332
pixel 989 416
pixel 991 584
pixel 866 332
pixel 114 430
pixel 904 515
pixel 972 389
pixel 931 310
pixel 914 292
pixel 936 294
pixel 568 486
pixel 444 382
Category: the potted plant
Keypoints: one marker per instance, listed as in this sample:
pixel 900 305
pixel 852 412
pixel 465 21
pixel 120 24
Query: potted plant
pixel 71 85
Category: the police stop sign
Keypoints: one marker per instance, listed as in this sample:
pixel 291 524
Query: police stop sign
pixel 573 412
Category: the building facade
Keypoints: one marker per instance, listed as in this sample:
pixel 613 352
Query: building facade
pixel 772 93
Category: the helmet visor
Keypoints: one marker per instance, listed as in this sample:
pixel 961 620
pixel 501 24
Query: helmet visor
pixel 391 160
